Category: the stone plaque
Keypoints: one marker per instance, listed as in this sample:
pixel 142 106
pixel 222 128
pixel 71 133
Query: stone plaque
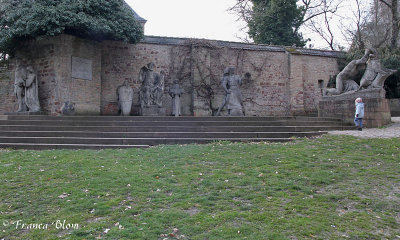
pixel 82 68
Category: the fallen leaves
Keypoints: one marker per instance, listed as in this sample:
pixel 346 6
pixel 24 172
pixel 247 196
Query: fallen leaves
pixel 64 195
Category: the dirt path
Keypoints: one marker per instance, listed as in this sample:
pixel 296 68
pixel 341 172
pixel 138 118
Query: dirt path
pixel 390 131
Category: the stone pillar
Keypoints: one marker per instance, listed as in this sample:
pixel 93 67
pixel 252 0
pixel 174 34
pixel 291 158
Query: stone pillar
pixel 201 67
pixel 377 109
pixel 296 84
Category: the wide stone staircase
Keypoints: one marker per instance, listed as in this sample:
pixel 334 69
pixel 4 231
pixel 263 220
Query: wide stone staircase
pixel 97 132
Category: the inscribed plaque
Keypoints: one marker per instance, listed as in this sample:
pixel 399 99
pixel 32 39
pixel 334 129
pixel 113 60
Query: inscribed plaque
pixel 82 68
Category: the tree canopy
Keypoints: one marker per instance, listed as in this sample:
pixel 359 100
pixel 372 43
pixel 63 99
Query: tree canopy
pixel 98 20
pixel 276 22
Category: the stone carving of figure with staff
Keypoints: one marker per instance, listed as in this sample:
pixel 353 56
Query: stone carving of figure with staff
pixel 233 98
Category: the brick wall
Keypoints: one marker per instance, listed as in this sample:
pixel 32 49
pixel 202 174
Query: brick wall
pixel 6 88
pixel 276 81
pixel 51 59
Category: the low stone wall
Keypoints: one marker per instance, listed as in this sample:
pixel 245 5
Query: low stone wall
pixel 395 107
pixel 377 110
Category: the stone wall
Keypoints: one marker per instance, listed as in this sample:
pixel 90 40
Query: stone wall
pixel 52 60
pixel 376 108
pixel 395 107
pixel 276 80
pixel 6 88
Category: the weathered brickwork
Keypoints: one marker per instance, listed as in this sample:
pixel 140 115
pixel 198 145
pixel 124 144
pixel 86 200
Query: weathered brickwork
pixel 6 88
pixel 276 81
pixel 51 58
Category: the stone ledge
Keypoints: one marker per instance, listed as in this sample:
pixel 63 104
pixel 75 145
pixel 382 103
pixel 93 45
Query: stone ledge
pixel 239 45
pixel 352 95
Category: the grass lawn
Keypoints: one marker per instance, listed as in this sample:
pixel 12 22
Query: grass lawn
pixel 334 187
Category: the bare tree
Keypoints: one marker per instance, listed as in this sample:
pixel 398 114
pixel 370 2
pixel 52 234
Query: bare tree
pixel 319 18
pixel 323 10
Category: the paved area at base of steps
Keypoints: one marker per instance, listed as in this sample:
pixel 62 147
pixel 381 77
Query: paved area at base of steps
pixel 390 131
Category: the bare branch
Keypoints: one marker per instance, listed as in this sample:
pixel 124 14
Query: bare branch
pixel 386 3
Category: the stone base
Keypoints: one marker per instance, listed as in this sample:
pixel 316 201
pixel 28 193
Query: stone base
pixel 395 107
pixel 377 110
pixel 153 111
pixel 352 95
pixel 25 113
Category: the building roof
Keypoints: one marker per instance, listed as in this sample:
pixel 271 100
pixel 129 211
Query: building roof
pixel 138 18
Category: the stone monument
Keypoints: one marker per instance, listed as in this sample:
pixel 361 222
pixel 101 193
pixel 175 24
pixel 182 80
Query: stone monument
pixel 26 89
pixel 151 91
pixel 339 102
pixel 375 74
pixel 233 98
pixel 175 92
pixel 125 98
pixel 345 79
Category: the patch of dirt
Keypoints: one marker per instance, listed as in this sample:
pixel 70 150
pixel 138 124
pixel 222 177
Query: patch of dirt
pixel 192 211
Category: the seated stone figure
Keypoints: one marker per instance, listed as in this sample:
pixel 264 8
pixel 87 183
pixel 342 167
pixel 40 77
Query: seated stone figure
pixel 152 88
pixel 345 79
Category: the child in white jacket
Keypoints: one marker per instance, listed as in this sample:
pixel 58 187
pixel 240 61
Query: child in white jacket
pixel 359 113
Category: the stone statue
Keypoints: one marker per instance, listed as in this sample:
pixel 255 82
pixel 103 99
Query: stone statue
pixel 26 89
pixel 345 79
pixel 152 89
pixel 68 108
pixel 125 98
pixel 158 89
pixel 233 98
pixel 375 74
pixel 175 92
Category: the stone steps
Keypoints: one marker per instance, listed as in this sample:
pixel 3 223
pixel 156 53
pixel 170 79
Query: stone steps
pixel 116 135
pixel 168 123
pixel 96 132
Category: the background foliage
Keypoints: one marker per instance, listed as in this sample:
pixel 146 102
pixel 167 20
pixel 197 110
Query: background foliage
pixel 276 22
pixel 98 20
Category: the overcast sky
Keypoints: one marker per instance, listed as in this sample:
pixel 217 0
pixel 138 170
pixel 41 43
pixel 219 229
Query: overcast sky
pixel 189 18
pixel 207 19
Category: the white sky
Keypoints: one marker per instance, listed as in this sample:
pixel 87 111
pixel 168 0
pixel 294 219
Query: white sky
pixel 207 19
pixel 189 18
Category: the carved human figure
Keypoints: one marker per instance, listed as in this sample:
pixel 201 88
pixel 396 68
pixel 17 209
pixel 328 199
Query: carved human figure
pixel 233 98
pixel 175 92
pixel 125 98
pixel 26 89
pixel 152 88
pixel 158 89
pixel 19 86
pixel 375 74
pixel 345 79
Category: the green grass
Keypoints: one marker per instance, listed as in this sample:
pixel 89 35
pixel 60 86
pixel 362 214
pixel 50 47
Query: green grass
pixel 334 187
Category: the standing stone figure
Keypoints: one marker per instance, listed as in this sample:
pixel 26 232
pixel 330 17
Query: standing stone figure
pixel 375 74
pixel 345 79
pixel 152 88
pixel 125 98
pixel 158 89
pixel 26 89
pixel 175 92
pixel 233 99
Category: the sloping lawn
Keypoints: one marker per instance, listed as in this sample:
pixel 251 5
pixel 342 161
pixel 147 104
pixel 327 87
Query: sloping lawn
pixel 333 187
